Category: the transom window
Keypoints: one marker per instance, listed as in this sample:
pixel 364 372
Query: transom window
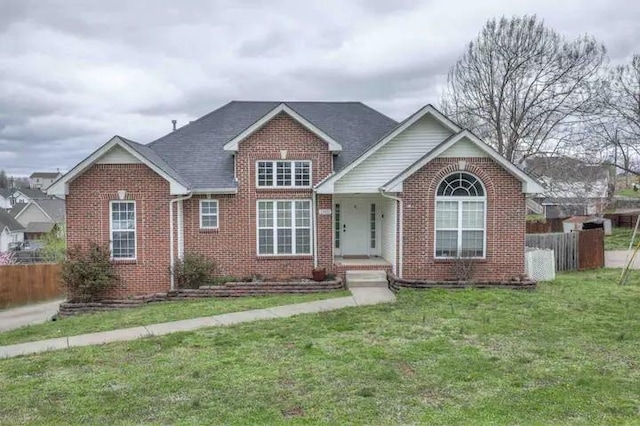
pixel 296 174
pixel 460 217
pixel 284 227
pixel 123 229
pixel 208 214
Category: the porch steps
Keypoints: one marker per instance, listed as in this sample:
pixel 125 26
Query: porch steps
pixel 374 278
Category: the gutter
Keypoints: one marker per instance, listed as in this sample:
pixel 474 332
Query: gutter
pixel 398 267
pixel 171 238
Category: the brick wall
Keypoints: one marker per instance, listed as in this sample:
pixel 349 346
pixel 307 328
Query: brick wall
pixel 505 231
pixel 233 244
pixel 88 221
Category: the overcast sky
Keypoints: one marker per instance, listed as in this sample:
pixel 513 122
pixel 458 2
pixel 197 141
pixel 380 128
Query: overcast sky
pixel 75 72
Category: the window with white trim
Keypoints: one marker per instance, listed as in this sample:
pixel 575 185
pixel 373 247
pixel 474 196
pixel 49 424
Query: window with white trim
pixel 284 227
pixel 208 214
pixel 460 217
pixel 123 229
pixel 283 174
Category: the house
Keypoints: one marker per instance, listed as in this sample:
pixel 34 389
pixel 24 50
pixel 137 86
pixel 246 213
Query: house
pixel 25 195
pixel 5 198
pixel 11 231
pixel 278 188
pixel 40 216
pixel 42 180
pixel 572 187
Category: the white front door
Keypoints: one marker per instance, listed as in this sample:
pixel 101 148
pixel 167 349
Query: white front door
pixel 355 227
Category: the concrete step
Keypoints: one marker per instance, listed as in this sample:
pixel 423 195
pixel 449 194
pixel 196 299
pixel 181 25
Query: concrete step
pixel 357 279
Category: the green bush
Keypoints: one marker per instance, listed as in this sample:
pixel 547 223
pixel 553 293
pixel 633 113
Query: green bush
pixel 88 272
pixel 194 270
pixel 54 246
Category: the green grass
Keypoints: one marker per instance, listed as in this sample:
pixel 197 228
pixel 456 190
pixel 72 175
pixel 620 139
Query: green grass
pixel 628 192
pixel 152 314
pixel 619 239
pixel 565 354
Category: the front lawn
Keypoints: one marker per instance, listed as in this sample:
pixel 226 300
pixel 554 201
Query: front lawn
pixel 564 354
pixel 152 314
pixel 619 239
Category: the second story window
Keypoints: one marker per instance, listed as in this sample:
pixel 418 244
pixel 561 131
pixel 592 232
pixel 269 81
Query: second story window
pixel 284 174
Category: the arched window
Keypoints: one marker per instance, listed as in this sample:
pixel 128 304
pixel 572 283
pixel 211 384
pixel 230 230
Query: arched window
pixel 461 205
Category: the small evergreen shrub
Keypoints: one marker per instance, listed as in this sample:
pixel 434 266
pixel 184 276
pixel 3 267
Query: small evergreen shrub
pixel 194 270
pixel 88 272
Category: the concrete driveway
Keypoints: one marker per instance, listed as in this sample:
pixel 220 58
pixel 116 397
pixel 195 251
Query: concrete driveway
pixel 620 258
pixel 27 315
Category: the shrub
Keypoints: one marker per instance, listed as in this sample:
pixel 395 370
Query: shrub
pixel 194 270
pixel 87 273
pixel 54 246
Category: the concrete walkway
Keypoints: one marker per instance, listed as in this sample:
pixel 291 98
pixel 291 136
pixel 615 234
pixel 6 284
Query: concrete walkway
pixel 359 297
pixel 27 315
pixel 620 258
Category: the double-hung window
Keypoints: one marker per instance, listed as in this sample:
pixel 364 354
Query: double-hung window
pixel 460 217
pixel 123 229
pixel 284 227
pixel 284 174
pixel 208 214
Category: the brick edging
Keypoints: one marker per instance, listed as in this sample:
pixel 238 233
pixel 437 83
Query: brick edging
pixel 226 290
pixel 396 283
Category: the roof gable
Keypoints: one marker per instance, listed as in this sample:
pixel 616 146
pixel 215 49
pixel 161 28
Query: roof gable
pixel 141 152
pixel 529 185
pixel 327 184
pixel 232 145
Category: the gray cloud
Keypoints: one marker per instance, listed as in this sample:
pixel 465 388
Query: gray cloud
pixel 74 73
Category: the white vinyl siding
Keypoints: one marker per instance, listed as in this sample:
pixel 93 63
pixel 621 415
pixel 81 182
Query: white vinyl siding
pixel 118 155
pixel 284 227
pixel 463 148
pixel 393 158
pixel 283 174
pixel 209 214
pixel 123 229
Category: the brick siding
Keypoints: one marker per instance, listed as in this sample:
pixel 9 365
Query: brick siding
pixel 87 207
pixel 233 245
pixel 506 224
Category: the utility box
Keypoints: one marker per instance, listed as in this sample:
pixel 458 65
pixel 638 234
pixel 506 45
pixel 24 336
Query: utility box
pixel 540 264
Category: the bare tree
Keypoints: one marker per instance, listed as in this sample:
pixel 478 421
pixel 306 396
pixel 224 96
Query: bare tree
pixel 522 86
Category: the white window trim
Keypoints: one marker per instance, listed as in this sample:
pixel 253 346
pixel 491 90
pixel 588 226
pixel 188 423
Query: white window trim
pixel 274 171
pixel 459 200
pixel 217 215
pixel 293 227
pixel 135 230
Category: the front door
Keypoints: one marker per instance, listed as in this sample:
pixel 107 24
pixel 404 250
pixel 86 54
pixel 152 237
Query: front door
pixel 355 227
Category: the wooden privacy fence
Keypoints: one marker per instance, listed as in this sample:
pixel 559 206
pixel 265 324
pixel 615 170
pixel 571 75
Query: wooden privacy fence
pixel 29 283
pixel 573 250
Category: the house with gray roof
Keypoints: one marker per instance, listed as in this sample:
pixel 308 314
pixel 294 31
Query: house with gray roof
pixel 42 180
pixel 11 231
pixel 279 189
pixel 40 216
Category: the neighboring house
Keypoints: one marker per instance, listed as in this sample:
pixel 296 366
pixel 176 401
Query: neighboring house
pixel 40 216
pixel 572 187
pixel 5 198
pixel 11 231
pixel 42 180
pixel 25 195
pixel 276 189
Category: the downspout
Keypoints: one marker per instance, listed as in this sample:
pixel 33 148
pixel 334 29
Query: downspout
pixel 171 238
pixel 314 203
pixel 401 232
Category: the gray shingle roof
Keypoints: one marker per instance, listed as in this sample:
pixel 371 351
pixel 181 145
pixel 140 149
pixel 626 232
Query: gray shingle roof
pixel 45 175
pixel 34 194
pixel 54 207
pixel 17 208
pixel 195 152
pixel 6 220
pixel 39 227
